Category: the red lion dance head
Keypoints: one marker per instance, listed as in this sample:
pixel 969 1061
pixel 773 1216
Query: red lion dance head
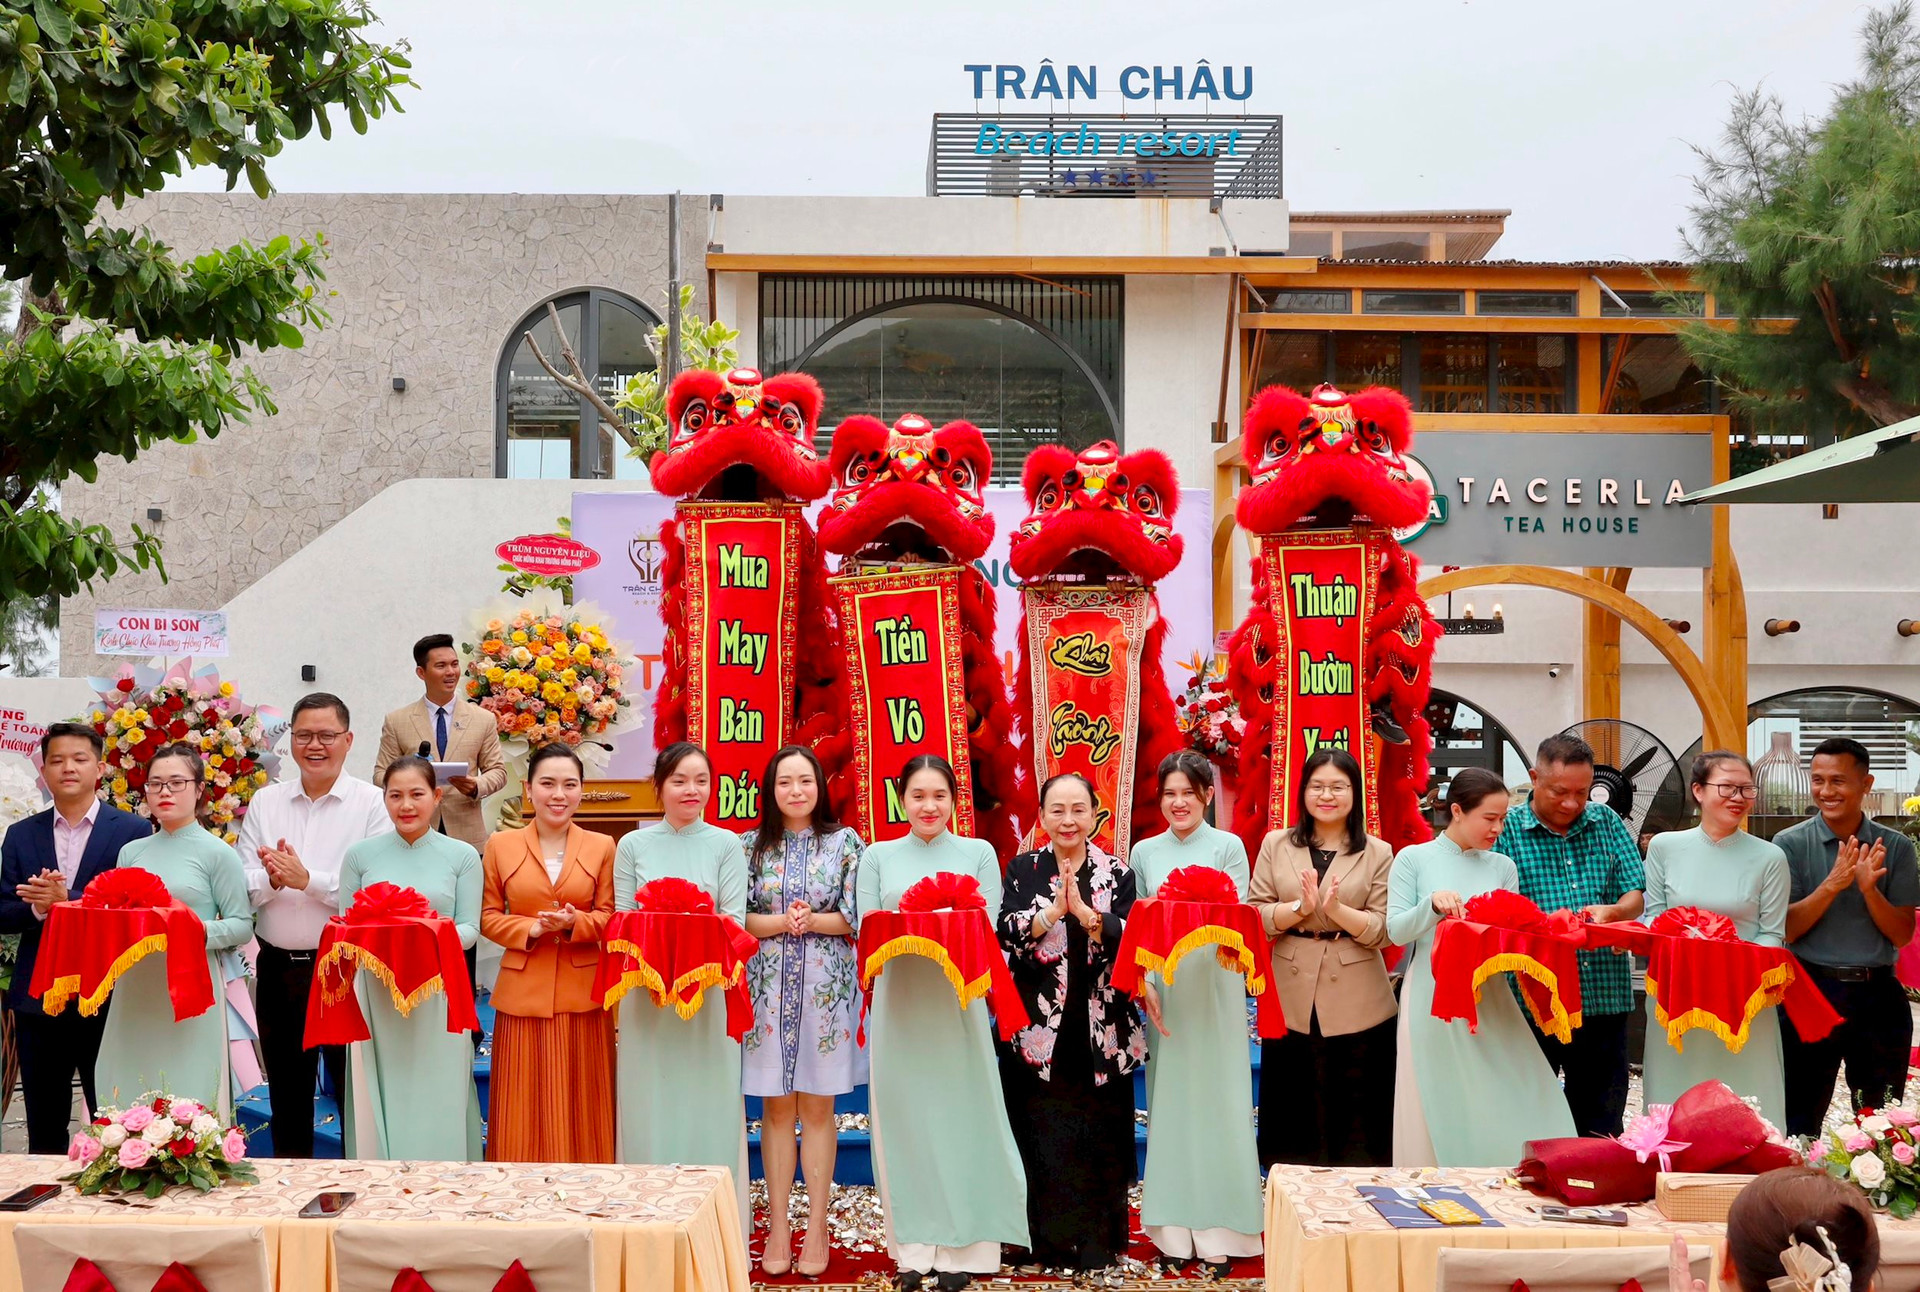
pixel 740 438
pixel 1328 459
pixel 1098 515
pixel 908 492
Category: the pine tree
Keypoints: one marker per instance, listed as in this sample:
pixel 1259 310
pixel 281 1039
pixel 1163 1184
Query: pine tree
pixel 1808 232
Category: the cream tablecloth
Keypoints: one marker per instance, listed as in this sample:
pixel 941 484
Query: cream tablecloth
pixel 675 1229
pixel 1322 1236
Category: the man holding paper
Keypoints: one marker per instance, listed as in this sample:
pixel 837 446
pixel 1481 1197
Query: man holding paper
pixel 459 738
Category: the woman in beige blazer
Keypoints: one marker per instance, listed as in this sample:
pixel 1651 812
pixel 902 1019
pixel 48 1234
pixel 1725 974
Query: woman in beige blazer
pixel 1326 1088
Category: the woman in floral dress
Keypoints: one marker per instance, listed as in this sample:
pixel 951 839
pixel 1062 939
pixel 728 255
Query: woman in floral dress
pixel 802 1050
pixel 1068 1075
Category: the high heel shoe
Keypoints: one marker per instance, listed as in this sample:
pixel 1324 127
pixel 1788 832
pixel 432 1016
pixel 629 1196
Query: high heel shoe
pixel 777 1259
pixel 807 1269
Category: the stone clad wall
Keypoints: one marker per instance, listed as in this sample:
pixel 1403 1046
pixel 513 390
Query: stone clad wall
pixel 421 286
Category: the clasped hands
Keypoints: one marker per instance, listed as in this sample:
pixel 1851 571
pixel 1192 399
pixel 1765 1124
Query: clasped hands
pixel 43 891
pixel 284 867
pixel 557 920
pixel 1316 893
pixel 1067 900
pixel 1856 866
pixel 801 919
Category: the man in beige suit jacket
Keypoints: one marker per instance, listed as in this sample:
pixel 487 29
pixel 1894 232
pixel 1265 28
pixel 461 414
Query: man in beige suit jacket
pixel 454 731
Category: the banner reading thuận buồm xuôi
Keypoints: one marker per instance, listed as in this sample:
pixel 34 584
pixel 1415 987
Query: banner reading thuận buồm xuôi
pixel 1324 583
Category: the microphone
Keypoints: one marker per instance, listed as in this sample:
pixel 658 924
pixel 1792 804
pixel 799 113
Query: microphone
pixel 426 750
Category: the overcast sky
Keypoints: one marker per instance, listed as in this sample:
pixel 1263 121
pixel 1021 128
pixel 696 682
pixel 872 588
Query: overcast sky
pixel 1576 116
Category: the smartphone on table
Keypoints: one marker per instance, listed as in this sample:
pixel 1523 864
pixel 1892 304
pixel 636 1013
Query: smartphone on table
pixel 30 1197
pixel 322 1206
pixel 1584 1216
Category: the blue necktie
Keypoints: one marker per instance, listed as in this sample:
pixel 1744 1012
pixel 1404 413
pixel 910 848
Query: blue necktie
pixel 440 732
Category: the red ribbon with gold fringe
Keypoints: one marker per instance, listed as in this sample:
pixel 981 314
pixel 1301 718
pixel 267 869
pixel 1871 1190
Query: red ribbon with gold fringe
pixel 675 956
pixel 413 956
pixel 964 945
pixel 1161 933
pixel 85 949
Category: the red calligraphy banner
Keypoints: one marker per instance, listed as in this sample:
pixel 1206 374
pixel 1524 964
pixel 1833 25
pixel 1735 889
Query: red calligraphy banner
pixel 1083 647
pixel 1323 586
pixel 743 590
pixel 902 634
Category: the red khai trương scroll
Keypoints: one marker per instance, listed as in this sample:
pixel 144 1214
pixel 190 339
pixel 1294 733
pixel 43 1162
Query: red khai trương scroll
pixel 1083 648
pixel 742 593
pixel 908 692
pixel 1324 585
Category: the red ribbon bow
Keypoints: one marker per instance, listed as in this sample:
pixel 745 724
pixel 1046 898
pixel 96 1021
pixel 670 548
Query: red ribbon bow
pixel 1693 922
pixel 514 1280
pixel 88 1277
pixel 672 895
pixel 385 901
pixel 946 891
pixel 125 888
pixel 1197 884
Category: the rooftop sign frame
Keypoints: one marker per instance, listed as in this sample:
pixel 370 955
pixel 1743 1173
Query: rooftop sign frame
pixel 1152 154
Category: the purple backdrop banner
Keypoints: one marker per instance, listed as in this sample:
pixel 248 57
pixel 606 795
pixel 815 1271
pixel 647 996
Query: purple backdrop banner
pixel 624 528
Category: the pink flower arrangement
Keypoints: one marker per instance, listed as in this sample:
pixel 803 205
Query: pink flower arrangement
pixel 1879 1152
pixel 155 1144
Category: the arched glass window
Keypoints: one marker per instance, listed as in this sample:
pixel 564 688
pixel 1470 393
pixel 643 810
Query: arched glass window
pixel 1465 735
pixel 962 361
pixel 1782 731
pixel 546 432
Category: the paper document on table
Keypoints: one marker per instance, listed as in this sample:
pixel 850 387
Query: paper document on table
pixel 443 771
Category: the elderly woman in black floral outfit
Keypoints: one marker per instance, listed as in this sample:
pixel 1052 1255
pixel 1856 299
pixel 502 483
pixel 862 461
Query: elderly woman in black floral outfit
pixel 1068 1076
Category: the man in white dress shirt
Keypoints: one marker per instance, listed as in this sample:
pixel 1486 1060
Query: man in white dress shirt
pixel 292 842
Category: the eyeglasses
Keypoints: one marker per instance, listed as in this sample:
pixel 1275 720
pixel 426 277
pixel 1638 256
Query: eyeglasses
pixel 1329 791
pixel 176 785
pixel 1733 790
pixel 322 738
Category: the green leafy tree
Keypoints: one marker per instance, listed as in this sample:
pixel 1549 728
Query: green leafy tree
pixel 1808 231
pixel 122 344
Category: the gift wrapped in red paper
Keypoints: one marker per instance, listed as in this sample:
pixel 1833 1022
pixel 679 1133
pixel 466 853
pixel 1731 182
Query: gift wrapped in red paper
pixel 1503 932
pixel 1587 1172
pixel 944 918
pixel 394 934
pixel 124 916
pixel 1197 906
pixel 1700 974
pixel 675 946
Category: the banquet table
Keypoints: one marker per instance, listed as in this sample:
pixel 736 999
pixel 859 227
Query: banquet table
pixel 671 1228
pixel 1322 1236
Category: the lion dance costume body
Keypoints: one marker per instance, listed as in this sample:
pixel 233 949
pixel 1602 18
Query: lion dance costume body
pixel 1090 696
pixel 909 518
pixel 1338 645
pixel 743 588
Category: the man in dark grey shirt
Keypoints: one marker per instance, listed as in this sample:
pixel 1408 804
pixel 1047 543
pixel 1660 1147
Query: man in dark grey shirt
pixel 1855 887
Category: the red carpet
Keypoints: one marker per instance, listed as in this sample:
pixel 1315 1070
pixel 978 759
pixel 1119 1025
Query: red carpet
pixel 858 1257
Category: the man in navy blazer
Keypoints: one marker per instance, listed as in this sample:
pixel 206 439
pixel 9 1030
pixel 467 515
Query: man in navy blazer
pixel 48 858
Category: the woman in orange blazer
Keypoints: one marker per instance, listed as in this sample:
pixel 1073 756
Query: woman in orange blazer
pixel 549 895
pixel 1321 889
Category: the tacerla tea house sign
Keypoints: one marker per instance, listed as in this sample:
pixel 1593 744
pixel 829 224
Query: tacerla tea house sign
pixel 1563 499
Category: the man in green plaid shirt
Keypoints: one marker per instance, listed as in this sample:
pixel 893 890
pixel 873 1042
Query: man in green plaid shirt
pixel 1577 855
